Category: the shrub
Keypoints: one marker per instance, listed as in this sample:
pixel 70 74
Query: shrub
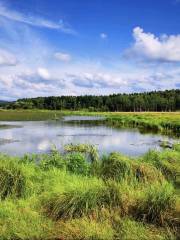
pixel 54 159
pixel 91 150
pixel 77 163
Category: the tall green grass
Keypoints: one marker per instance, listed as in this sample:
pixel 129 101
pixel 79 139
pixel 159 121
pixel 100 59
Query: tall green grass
pixel 157 203
pixel 58 196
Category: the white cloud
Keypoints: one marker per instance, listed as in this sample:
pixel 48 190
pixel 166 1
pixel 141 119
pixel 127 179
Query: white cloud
pixel 103 35
pixel 7 58
pixel 43 73
pixel 33 20
pixel 64 57
pixel 40 76
pixel 150 47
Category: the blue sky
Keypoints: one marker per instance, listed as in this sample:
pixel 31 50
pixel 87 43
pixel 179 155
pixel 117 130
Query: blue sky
pixel 80 47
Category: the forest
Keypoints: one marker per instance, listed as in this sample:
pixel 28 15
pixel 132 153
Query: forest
pixel 168 100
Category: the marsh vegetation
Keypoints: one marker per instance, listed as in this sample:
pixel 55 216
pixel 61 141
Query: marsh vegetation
pixel 79 195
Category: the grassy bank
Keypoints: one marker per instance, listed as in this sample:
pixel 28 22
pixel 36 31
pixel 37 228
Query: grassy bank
pixel 77 195
pixel 158 122
pixel 28 115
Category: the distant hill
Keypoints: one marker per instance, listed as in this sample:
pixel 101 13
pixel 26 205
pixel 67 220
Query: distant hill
pixel 3 103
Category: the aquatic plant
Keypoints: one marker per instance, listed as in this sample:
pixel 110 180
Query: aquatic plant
pixel 91 150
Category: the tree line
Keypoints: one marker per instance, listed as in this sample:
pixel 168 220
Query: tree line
pixel 168 100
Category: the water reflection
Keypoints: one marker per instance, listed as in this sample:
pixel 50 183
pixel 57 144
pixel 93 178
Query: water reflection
pixel 38 137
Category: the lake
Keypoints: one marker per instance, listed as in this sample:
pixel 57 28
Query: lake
pixel 39 136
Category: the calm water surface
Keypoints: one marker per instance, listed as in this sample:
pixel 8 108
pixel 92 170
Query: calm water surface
pixel 38 137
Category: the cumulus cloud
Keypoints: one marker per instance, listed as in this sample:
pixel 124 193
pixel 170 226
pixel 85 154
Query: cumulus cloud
pixel 64 57
pixel 147 45
pixel 33 20
pixel 7 58
pixel 43 73
pixel 98 79
pixel 103 35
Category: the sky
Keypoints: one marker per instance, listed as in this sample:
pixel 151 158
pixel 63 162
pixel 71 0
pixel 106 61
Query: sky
pixel 97 47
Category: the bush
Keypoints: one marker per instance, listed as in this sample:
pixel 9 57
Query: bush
pixel 54 159
pixel 88 149
pixel 77 163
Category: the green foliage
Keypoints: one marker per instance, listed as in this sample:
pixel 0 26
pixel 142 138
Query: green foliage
pixel 151 101
pixel 54 159
pixel 65 196
pixel 176 147
pixel 77 163
pixel 91 150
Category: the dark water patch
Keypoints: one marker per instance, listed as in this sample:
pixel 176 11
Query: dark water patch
pixel 82 118
pixel 6 126
pixel 6 141
pixel 82 135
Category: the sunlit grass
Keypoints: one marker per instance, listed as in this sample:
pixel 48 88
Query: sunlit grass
pixel 58 196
